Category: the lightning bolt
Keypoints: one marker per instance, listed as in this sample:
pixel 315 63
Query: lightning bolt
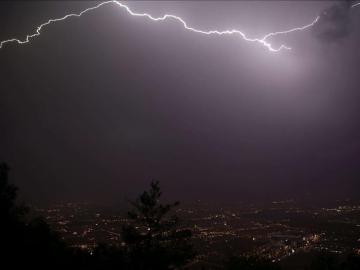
pixel 262 41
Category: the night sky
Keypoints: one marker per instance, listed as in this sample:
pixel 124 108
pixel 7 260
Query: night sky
pixel 97 106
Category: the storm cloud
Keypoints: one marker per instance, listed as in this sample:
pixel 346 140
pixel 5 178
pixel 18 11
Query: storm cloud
pixel 335 22
pixel 97 107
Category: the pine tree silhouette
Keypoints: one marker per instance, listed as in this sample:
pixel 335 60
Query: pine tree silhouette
pixel 153 239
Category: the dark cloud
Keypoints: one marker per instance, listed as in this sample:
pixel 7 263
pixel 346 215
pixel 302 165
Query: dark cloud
pixel 96 107
pixel 335 22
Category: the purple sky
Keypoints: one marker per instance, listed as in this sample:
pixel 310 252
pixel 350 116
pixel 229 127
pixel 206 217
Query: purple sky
pixel 96 107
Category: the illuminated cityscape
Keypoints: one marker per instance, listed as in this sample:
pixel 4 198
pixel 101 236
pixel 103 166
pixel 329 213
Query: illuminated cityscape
pixel 273 232
pixel 247 112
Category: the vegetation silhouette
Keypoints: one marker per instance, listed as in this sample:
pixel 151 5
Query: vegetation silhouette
pixel 321 260
pixel 153 240
pixel 24 242
pixel 250 263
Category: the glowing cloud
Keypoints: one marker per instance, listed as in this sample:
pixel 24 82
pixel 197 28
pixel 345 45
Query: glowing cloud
pixel 262 41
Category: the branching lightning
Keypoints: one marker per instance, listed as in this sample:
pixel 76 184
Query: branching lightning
pixel 262 41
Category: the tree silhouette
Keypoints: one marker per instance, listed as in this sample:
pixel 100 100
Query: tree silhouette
pixel 331 261
pixel 250 263
pixel 153 239
pixel 325 261
pixel 8 208
pixel 29 243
